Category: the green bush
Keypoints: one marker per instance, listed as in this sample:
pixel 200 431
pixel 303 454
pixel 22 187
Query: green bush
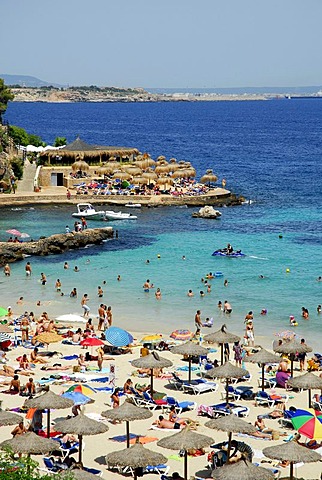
pixel 17 167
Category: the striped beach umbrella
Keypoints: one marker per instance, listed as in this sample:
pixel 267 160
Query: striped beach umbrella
pixel 77 397
pixel 118 337
pixel 4 337
pixel 182 335
pixel 84 389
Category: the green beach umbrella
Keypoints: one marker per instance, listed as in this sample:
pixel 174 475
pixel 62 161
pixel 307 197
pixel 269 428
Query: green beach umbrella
pixel 3 312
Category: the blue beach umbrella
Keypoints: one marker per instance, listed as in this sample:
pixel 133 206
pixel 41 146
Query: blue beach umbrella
pixel 77 397
pixel 118 337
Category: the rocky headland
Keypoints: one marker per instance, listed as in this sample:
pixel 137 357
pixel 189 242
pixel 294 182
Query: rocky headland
pixel 53 245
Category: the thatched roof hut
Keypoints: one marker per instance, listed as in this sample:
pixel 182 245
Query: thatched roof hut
pixel 92 154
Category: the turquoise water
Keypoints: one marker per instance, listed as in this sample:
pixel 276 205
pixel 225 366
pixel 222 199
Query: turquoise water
pixel 281 293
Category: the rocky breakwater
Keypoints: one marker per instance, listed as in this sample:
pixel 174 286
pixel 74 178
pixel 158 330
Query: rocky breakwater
pixel 53 245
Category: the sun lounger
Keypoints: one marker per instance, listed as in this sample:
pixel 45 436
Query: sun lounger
pixel 220 409
pixel 201 387
pixel 264 398
pixel 180 406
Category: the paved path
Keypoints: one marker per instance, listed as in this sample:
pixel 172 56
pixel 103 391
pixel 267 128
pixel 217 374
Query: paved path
pixel 27 183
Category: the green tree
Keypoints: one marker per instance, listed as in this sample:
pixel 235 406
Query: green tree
pixel 60 142
pixel 5 96
pixel 35 140
pixel 19 135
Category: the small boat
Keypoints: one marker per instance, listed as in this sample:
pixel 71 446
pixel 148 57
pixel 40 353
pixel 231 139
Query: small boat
pixel 224 253
pixel 133 205
pixel 111 215
pixel 87 211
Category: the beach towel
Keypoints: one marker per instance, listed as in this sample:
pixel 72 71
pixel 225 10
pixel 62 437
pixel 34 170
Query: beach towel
pixel 70 357
pixel 122 438
pixel 155 427
pixel 102 389
pixel 185 368
pixel 175 457
pixel 101 379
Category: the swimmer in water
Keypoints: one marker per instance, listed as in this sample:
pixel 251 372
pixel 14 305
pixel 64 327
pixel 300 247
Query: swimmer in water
pixel 190 293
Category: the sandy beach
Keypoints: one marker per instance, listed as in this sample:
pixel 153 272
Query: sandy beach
pixel 96 447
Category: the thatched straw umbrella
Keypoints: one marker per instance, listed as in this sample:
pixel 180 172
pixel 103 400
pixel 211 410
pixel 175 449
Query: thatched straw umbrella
pixel 80 165
pixel 308 381
pixel 165 181
pixel 263 357
pixel 150 175
pixel 29 443
pixel 133 170
pixel 227 371
pixel 291 348
pixel 81 425
pixel 209 177
pixel 191 349
pixel 161 158
pixel 185 440
pixel 151 361
pixel 121 175
pixel 127 412
pixel 139 180
pixel 293 453
pixel 109 168
pixel 9 418
pixel 191 171
pixel 160 169
pixel 231 424
pixel 221 337
pixel 48 337
pixel 49 400
pixel 135 457
pixel 242 470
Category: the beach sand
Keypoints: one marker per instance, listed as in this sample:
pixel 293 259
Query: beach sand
pixel 96 447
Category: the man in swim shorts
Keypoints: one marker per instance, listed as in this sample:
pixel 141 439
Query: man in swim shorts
pixel 84 305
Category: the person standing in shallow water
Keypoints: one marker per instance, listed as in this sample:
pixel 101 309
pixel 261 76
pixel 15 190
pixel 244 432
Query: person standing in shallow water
pixel 198 322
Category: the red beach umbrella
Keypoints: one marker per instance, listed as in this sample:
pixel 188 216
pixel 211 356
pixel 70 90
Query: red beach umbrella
pixel 91 342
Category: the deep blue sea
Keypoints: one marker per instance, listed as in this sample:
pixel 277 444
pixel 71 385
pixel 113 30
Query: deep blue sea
pixel 270 152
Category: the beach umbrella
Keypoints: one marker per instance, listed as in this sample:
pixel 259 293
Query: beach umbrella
pixel 161 168
pixel 77 398
pixel 190 349
pixel 48 337
pixel 263 357
pixel 231 424
pixel 308 422
pixel 79 475
pixel 165 181
pixel 242 470
pixel 3 312
pixel 291 349
pixel 227 371
pixel 121 175
pixel 133 170
pixel 81 425
pixel 127 412
pixel 24 235
pixel 149 175
pixel 151 361
pixel 29 443
pixel 14 232
pixel 91 342
pixel 80 165
pixel 4 337
pixel 151 338
pixel 139 180
pixel 48 400
pixel 82 388
pixel 117 337
pixel 9 418
pixel 71 317
pixel 135 457
pixel 185 440
pixel 161 158
pixel 308 381
pixel 293 453
pixel 209 177
pixel 221 337
pixel 182 335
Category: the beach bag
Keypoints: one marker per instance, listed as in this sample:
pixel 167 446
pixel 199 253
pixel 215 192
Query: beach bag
pixel 275 435
pixel 76 369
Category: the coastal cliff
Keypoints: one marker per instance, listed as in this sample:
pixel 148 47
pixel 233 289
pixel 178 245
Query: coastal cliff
pixel 55 244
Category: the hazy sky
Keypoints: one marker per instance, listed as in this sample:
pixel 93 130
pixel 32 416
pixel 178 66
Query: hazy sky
pixel 169 43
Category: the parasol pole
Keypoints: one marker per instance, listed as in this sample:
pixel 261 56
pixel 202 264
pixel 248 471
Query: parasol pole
pixel 222 353
pixel 127 434
pixel 292 360
pixel 229 446
pixel 263 366
pixel 151 390
pixel 48 422
pixel 310 402
pixel 189 378
pixel 291 471
pixel 227 393
pixel 185 465
pixel 80 440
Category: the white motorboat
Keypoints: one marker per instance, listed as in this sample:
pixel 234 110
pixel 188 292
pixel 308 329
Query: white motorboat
pixel 87 211
pixel 111 215
pixel 133 205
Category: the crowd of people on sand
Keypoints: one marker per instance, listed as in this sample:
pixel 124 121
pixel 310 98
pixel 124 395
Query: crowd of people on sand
pixel 29 327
